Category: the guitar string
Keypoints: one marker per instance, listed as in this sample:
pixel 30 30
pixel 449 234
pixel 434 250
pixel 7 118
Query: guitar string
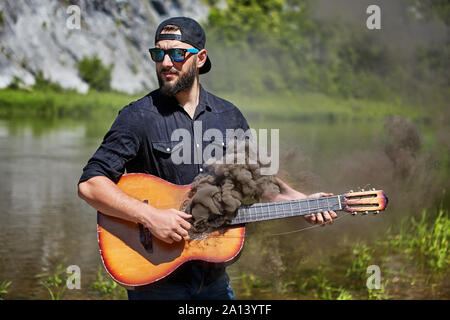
pixel 268 214
pixel 307 228
pixel 283 233
pixel 288 232
pixel 271 217
pixel 261 204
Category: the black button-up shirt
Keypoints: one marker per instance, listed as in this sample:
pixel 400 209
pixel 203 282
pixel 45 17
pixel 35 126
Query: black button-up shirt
pixel 140 139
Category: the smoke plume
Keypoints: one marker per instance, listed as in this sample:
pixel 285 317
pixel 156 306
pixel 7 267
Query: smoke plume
pixel 228 184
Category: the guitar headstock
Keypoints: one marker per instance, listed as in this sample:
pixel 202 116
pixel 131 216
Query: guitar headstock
pixel 364 201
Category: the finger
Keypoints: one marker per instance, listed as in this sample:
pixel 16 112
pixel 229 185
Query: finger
pixel 327 217
pixel 326 194
pixel 184 215
pixel 315 195
pixel 182 232
pixel 310 218
pixel 184 224
pixel 333 214
pixel 319 218
pixel 176 237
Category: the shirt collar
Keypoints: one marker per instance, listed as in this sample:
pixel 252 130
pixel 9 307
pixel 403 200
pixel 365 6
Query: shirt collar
pixel 203 102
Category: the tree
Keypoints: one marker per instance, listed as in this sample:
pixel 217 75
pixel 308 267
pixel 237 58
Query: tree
pixel 95 74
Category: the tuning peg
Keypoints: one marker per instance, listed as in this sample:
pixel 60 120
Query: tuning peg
pixel 373 189
pixel 354 213
pixel 362 190
pixel 366 212
pixel 351 190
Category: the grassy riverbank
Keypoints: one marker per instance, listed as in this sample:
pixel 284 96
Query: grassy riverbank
pixel 288 106
pixel 20 103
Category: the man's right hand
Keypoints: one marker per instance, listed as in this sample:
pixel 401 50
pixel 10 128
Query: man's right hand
pixel 168 225
pixel 102 194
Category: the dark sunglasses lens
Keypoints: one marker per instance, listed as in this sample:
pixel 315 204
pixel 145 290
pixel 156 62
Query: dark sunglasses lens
pixel 177 55
pixel 157 54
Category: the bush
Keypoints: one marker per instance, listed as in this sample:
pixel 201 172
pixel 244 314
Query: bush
pixel 95 74
pixel 15 84
pixel 43 84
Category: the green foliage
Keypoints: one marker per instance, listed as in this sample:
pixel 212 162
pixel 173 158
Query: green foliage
pixel 323 287
pixel 95 74
pixel 378 294
pixel 3 288
pixel 15 84
pixel 362 255
pixel 281 46
pixel 425 240
pixel 55 282
pixel 19 103
pixel 253 17
pixel 108 287
pixel 431 242
pixel 44 84
pixel 437 9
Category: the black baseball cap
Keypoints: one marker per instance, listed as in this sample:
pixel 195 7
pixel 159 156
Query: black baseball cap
pixel 191 32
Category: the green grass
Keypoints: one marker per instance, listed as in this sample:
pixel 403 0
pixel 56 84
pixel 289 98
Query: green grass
pixel 298 106
pixel 54 282
pixel 107 287
pixel 306 107
pixel 424 241
pixel 4 288
pixel 61 104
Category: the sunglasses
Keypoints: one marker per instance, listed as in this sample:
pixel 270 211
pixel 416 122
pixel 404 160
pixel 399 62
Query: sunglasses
pixel 177 54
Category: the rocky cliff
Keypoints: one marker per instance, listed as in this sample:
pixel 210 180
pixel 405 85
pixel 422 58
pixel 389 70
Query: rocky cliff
pixel 43 35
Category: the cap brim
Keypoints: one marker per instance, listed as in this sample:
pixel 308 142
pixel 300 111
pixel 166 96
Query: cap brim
pixel 206 67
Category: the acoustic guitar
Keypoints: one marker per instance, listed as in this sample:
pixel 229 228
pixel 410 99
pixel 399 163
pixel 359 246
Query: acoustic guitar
pixel 134 258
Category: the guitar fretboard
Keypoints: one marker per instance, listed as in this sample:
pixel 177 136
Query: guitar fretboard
pixel 285 209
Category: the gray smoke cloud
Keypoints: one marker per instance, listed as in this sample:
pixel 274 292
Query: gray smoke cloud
pixel 228 184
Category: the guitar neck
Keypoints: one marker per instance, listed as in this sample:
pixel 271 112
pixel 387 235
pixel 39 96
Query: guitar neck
pixel 285 209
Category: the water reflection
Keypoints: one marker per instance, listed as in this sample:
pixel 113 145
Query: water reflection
pixel 42 220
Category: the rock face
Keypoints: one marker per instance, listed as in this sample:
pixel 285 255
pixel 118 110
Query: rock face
pixel 42 35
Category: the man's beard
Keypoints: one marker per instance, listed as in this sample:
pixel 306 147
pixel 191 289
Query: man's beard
pixel 184 82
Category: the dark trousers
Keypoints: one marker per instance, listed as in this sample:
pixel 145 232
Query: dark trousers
pixel 192 287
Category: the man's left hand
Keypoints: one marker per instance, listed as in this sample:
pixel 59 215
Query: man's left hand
pixel 321 218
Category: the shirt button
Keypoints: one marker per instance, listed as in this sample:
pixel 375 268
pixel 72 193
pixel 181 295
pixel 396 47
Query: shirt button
pixel 198 146
pixel 168 149
pixel 201 169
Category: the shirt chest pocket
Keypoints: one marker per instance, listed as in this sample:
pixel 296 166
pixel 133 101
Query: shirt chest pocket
pixel 166 154
pixel 165 148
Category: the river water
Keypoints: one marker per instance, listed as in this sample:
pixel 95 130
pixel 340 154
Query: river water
pixel 43 223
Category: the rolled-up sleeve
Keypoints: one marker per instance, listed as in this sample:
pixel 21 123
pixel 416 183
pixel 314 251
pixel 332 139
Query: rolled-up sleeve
pixel 120 145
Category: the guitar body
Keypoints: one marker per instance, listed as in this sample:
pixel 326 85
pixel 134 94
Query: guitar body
pixel 131 263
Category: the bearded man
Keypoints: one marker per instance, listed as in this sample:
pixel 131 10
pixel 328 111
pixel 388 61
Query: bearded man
pixel 140 141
